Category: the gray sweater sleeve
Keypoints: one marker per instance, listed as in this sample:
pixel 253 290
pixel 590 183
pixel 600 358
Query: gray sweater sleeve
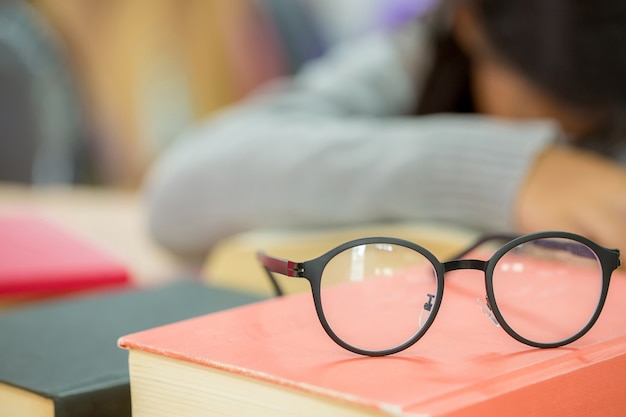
pixel 336 145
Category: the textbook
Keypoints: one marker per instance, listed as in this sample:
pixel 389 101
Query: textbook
pixel 39 258
pixel 59 358
pixel 273 358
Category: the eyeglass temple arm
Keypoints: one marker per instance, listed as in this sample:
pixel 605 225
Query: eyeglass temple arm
pixel 279 266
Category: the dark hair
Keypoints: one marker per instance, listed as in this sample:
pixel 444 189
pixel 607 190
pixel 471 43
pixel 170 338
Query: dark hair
pixel 575 50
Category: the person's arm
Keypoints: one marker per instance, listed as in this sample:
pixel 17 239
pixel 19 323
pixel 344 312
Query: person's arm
pixel 337 146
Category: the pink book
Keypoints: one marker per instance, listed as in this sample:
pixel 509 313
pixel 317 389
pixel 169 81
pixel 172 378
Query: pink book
pixel 273 358
pixel 40 258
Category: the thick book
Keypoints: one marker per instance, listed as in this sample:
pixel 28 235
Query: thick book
pixel 60 358
pixel 39 258
pixel 274 359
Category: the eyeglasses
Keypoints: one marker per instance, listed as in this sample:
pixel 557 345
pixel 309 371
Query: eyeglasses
pixel 378 296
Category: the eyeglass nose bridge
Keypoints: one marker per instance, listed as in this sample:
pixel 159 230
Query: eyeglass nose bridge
pixel 457 264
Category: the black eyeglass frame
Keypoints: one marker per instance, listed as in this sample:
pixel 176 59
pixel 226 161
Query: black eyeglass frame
pixel 313 269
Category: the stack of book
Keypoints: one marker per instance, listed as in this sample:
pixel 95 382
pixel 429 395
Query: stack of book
pixel 66 302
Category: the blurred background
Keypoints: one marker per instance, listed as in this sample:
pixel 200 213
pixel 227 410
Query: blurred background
pixel 91 91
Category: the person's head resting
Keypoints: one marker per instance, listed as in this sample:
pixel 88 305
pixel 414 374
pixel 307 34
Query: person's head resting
pixel 564 59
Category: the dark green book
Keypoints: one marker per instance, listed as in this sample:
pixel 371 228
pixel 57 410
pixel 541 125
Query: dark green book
pixel 61 358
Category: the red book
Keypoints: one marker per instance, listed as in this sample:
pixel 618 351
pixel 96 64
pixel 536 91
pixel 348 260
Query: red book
pixel 40 258
pixel 273 358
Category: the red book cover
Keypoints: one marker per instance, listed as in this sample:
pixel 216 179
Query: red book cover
pixel 39 258
pixel 463 366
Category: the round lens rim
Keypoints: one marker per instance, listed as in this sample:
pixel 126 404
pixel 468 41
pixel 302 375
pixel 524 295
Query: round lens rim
pixel 315 270
pixel 602 254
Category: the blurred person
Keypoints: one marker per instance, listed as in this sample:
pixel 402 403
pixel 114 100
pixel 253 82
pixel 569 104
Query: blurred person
pixel 93 89
pixel 500 115
pixel 72 75
pixel 43 131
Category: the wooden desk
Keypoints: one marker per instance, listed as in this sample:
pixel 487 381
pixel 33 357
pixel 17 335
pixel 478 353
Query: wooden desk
pixel 114 219
pixel 111 219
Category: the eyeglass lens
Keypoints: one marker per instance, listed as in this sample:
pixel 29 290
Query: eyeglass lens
pixel 547 290
pixel 393 306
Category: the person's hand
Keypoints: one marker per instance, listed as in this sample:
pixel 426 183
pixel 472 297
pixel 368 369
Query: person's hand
pixel 576 191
